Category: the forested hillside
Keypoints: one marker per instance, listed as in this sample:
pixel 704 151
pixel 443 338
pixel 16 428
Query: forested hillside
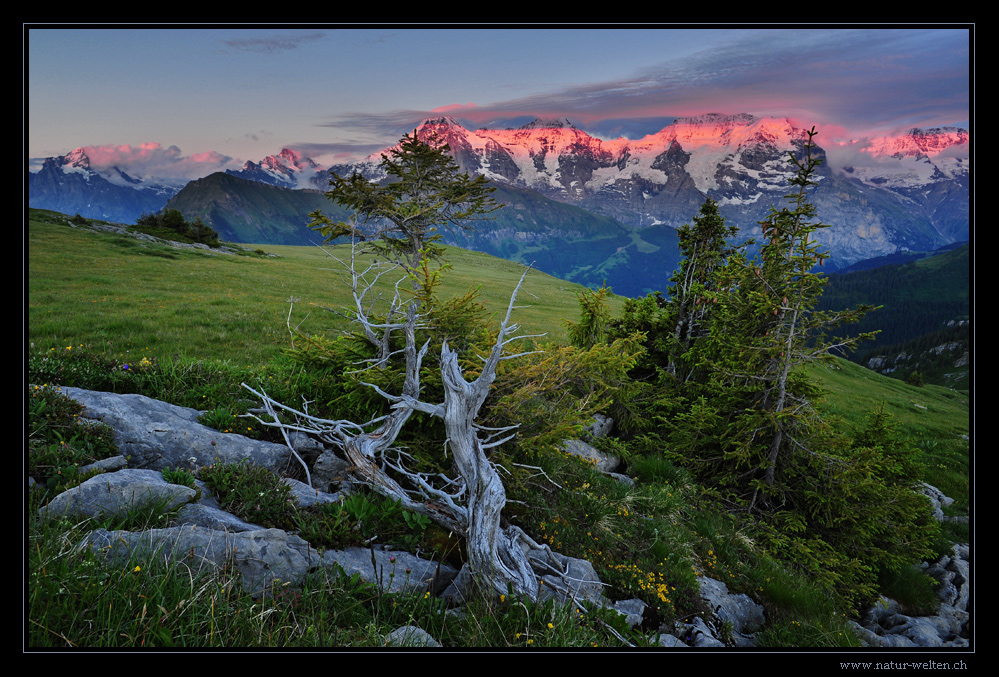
pixel 923 305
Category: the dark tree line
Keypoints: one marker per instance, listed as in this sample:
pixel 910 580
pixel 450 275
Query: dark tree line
pixel 171 221
pixel 727 396
pixel 917 298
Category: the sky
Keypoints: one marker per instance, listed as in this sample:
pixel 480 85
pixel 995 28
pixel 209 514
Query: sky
pixel 190 100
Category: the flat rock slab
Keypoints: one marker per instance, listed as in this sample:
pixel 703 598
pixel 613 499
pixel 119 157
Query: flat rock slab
pixel 264 557
pixel 156 435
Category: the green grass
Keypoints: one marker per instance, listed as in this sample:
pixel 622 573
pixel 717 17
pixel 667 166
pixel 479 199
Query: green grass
pixel 934 418
pixel 128 298
pixel 109 312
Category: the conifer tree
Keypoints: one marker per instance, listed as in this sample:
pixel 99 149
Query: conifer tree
pixel 694 289
pixel 594 318
pixel 769 330
pixel 425 191
pixel 673 322
pixel 740 410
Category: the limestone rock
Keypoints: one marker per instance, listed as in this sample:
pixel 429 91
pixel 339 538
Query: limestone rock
pixel 118 492
pixel 155 435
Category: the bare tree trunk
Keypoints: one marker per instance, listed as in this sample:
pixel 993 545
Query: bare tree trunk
pixel 496 560
pixel 472 503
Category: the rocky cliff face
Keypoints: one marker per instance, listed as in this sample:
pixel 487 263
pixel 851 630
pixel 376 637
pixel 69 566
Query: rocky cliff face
pixel 742 162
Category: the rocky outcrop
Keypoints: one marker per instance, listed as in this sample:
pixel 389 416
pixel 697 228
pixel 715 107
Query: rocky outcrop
pixel 208 538
pixel 884 624
pixel 115 493
pixel 263 557
pixel 155 435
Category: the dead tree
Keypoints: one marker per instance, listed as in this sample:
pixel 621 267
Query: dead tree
pixel 469 504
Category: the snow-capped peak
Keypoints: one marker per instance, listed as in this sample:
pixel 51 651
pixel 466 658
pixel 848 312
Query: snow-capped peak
pixel 77 159
pixel 289 168
pixel 288 162
pixel 918 143
pixel 556 123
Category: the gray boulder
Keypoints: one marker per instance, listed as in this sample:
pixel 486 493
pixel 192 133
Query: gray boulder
pixel 411 636
pixel 603 462
pixel 155 435
pixel 584 585
pixel 263 558
pixel 744 615
pixel 937 499
pixel 670 641
pixel 633 610
pixel 884 624
pixel 601 427
pixel 119 492
pixel 330 470
pixel 697 633
pixel 392 570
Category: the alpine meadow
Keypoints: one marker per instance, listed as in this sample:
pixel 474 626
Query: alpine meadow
pixel 727 436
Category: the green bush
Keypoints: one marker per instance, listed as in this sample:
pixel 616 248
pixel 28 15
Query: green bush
pixel 171 223
pixel 362 517
pixel 912 588
pixel 252 493
pixel 179 476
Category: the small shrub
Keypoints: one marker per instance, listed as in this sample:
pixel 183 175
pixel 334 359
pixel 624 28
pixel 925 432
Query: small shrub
pixel 219 418
pixel 67 477
pixel 913 589
pixel 252 493
pixel 362 517
pixel 659 470
pixel 171 224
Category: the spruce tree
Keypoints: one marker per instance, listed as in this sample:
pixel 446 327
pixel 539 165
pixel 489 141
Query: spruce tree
pixel 425 190
pixel 760 334
pixel 694 289
pixel 741 411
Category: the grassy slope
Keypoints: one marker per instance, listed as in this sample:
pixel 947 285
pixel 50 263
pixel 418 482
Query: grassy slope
pixel 116 294
pixel 120 295
pixel 937 418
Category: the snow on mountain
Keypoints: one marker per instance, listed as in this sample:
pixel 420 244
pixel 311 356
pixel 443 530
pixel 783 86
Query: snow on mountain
pixel 919 142
pixel 900 192
pixel 76 160
pixel 69 184
pixel 740 157
pixel 288 169
pixel 741 161
pixel 555 157
pixel 914 160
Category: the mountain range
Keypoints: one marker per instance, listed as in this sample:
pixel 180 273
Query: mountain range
pixel 583 208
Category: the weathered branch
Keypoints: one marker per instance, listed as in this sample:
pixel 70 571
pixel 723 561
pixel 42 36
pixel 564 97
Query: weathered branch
pixel 470 504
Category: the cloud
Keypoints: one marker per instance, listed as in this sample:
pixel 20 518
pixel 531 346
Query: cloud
pixel 339 153
pixel 380 129
pixel 867 81
pixel 153 160
pixel 276 43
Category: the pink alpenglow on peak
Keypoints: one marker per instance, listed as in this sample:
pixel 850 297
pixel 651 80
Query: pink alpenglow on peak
pixel 919 142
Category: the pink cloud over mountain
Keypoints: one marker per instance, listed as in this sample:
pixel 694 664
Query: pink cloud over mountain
pixel 153 160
